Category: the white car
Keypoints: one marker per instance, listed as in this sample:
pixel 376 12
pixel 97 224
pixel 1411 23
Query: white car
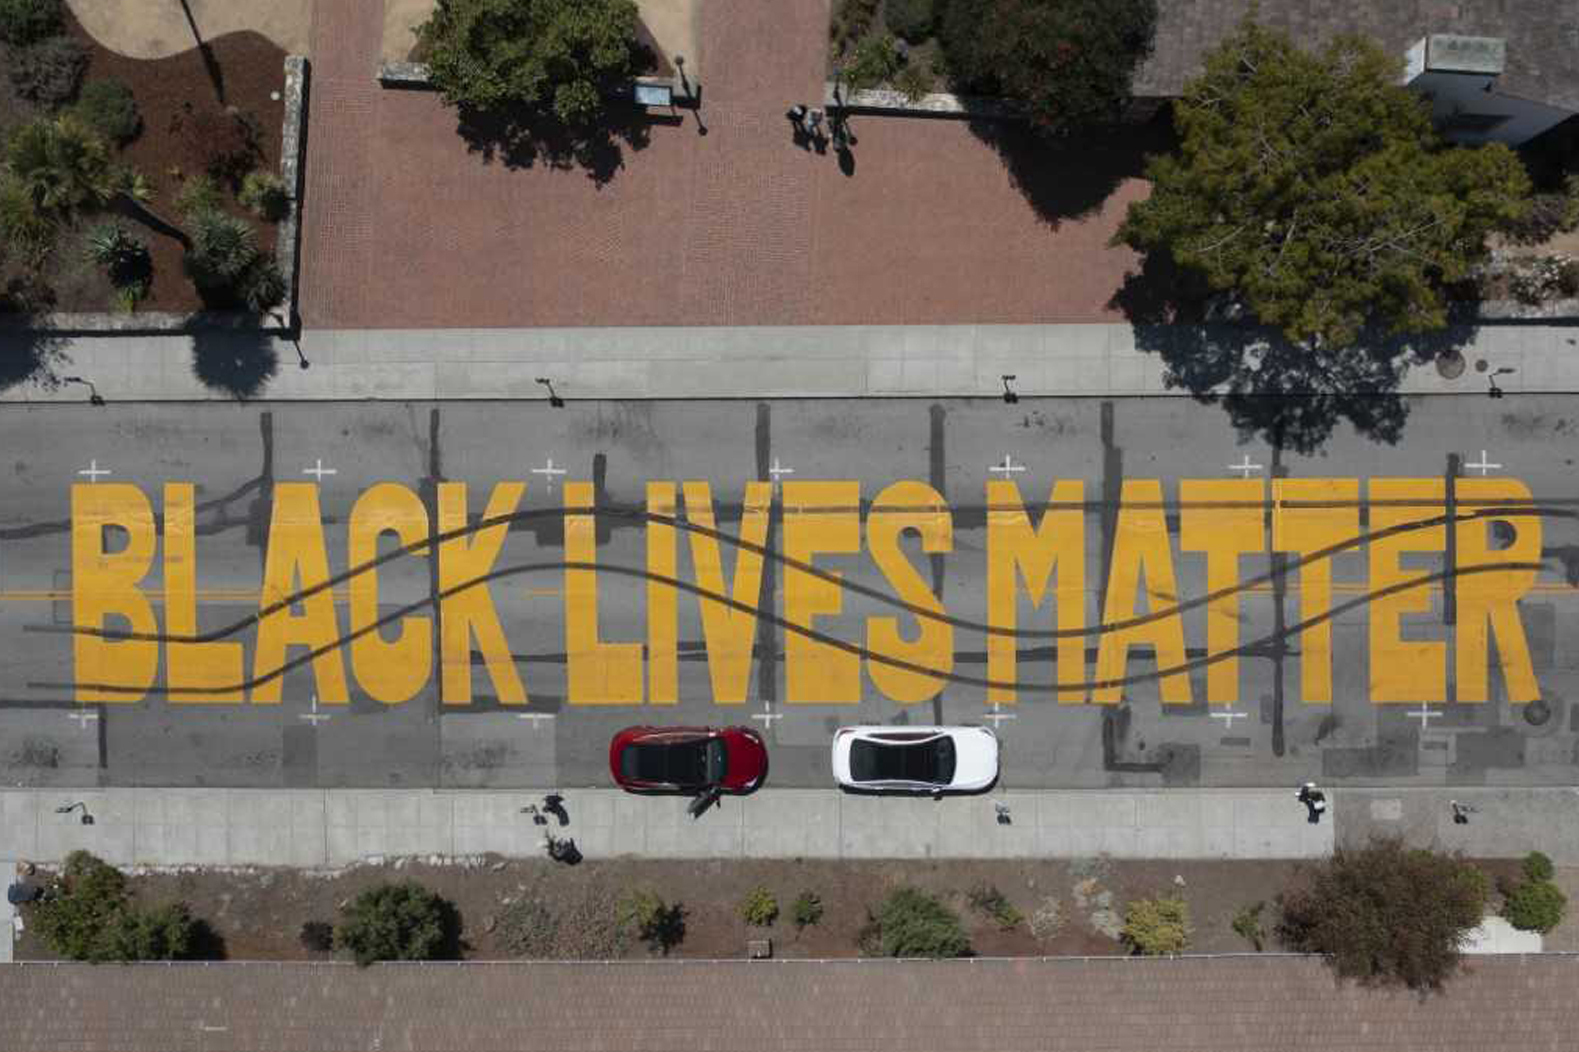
pixel 915 759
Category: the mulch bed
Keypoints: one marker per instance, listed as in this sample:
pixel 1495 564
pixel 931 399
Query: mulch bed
pixel 249 68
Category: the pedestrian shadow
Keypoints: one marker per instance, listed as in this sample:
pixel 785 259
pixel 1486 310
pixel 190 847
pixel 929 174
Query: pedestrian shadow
pixel 525 137
pixel 239 362
pixel 1071 177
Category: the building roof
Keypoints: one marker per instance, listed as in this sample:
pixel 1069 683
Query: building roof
pixel 1542 36
pixel 1223 1004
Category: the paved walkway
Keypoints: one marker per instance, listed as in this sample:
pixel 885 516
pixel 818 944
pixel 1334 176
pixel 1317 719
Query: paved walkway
pixel 328 828
pixel 735 362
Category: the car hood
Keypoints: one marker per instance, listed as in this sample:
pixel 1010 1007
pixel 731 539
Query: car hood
pixel 748 760
pixel 975 758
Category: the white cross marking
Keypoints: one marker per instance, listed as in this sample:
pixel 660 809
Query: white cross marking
pixel 319 471
pixel 1483 465
pixel 998 717
pixel 767 717
pixel 93 471
pixel 314 716
pixel 1007 468
pixel 776 471
pixel 549 471
pixel 1228 718
pixel 534 716
pixel 82 716
pixel 1246 467
pixel 1424 716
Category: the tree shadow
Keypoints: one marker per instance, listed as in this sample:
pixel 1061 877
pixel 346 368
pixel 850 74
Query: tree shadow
pixel 453 946
pixel 239 362
pixel 1070 177
pixel 28 355
pixel 523 137
pixel 206 943
pixel 1294 396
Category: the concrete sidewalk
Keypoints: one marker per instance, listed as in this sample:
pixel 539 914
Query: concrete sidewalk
pixel 736 362
pixel 330 828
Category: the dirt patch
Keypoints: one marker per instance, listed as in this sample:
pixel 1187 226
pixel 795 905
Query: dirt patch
pixel 247 69
pixel 258 914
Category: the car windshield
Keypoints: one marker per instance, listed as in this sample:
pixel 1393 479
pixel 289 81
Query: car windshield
pixel 675 763
pixel 929 762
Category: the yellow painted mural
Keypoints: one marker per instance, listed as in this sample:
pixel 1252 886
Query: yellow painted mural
pixel 1037 567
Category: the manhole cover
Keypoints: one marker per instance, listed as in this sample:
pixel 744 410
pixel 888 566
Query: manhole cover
pixel 1537 712
pixel 1450 365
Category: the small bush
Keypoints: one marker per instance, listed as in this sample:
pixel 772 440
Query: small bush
pixel 90 917
pixel 875 62
pixel 1247 925
pixel 806 910
pixel 528 928
pixel 988 901
pixel 915 80
pixel 25 228
pixel 125 260
pixel 759 908
pixel 317 936
pixel 228 140
pixel 394 922
pixel 659 924
pixel 1535 905
pixel 223 249
pixel 198 196
pixel 24 22
pixel 911 19
pixel 263 287
pixel 108 107
pixel 1048 919
pixel 912 923
pixel 1156 927
pixel 49 71
pixel 263 194
pixel 1550 214
pixel 851 19
pixel 1538 867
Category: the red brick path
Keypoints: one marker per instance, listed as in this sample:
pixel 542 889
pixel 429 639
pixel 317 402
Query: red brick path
pixel 406 229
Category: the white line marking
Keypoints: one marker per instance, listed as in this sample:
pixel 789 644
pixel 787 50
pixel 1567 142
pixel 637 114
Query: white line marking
pixel 314 716
pixel 1425 715
pixel 534 716
pixel 82 716
pixel 998 717
pixel 1246 467
pixel 93 471
pixel 776 471
pixel 1228 718
pixel 1007 468
pixel 767 717
pixel 319 471
pixel 550 471
pixel 1484 466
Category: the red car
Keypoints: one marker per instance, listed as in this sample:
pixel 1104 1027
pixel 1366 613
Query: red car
pixel 688 759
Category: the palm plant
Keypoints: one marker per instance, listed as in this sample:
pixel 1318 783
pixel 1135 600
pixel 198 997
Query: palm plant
pixel 223 247
pixel 125 259
pixel 23 226
pixel 63 165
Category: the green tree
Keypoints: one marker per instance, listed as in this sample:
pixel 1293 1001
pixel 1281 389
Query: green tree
pixel 561 56
pixel 912 923
pixel 1312 188
pixel 1068 62
pixel 89 917
pixel 1385 913
pixel 1535 905
pixel 394 922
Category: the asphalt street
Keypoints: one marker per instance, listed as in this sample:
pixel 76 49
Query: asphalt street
pixel 805 653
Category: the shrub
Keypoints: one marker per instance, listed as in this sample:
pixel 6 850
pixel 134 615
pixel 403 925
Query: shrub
pixel 89 917
pixel 223 248
pixel 561 56
pixel 528 928
pixel 199 195
pixel 911 19
pixel 1538 867
pixel 49 71
pixel 988 901
pixel 63 165
pixel 912 923
pixel 1247 925
pixel 759 908
pixel 806 910
pixel 874 62
pixel 1385 913
pixel 317 936
pixel 263 194
pixel 263 287
pixel 915 80
pixel 394 922
pixel 659 924
pixel 851 19
pixel 109 108
pixel 124 258
pixel 1157 927
pixel 1535 905
pixel 23 225
pixel 1048 920
pixel 1550 214
pixel 24 22
pixel 227 141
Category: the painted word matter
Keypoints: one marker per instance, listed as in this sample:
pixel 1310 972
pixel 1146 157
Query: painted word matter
pixel 1036 559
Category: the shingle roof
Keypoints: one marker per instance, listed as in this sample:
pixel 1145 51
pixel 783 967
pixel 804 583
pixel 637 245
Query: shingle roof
pixel 1235 1004
pixel 1542 36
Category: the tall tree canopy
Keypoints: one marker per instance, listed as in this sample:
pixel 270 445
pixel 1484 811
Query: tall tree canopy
pixel 1313 188
pixel 1069 62
pixel 559 55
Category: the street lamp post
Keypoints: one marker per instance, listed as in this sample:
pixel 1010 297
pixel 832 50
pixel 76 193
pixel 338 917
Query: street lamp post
pixel 93 392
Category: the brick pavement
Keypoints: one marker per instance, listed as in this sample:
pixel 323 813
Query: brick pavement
pixel 403 228
pixel 1250 1003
